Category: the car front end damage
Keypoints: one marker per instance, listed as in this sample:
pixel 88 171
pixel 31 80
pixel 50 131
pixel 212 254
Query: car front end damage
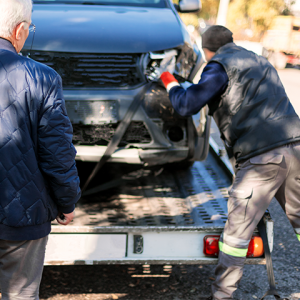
pixel 102 76
pixel 98 90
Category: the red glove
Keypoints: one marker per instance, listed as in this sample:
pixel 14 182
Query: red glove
pixel 168 80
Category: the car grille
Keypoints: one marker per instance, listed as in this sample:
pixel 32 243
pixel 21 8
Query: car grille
pixel 93 70
pixel 136 133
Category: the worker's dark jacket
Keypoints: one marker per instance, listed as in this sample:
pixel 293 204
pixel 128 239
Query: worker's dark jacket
pixel 254 114
pixel 38 175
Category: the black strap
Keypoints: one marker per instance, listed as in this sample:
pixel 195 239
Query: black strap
pixel 271 278
pixel 121 129
pixel 131 176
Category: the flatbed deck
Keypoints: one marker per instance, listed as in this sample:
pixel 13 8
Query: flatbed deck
pixel 192 198
pixel 154 219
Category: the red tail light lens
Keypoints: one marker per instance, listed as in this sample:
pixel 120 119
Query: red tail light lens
pixel 211 246
pixel 256 247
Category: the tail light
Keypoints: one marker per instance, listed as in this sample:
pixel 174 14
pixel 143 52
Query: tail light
pixel 211 246
pixel 256 247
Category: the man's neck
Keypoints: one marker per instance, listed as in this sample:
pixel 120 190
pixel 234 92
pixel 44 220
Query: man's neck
pixel 6 44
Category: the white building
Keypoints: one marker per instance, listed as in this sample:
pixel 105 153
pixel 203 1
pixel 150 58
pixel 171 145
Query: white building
pixel 296 8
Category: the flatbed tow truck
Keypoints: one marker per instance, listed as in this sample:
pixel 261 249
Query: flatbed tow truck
pixel 172 218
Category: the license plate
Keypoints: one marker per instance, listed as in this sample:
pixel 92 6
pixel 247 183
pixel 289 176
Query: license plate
pixel 92 112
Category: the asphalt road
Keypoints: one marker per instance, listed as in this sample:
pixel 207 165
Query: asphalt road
pixel 184 282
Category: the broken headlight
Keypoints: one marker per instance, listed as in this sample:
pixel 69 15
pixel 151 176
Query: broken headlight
pixel 157 63
pixel 154 63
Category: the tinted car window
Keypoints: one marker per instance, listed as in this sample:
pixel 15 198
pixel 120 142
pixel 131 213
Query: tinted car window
pixel 145 3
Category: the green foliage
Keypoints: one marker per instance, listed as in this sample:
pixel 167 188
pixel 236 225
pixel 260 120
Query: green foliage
pixel 247 19
pixel 253 15
pixel 190 19
pixel 209 11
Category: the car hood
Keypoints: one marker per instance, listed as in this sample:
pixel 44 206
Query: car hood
pixel 103 29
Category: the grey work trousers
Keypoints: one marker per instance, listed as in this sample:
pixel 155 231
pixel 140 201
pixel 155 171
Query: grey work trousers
pixel 21 268
pixel 275 173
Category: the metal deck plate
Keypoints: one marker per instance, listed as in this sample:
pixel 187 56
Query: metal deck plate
pixel 192 199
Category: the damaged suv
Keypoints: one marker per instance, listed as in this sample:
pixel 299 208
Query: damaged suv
pixel 104 50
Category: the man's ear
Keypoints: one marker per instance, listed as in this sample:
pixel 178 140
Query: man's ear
pixel 17 31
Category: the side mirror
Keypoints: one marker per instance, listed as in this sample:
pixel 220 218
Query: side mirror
pixel 185 6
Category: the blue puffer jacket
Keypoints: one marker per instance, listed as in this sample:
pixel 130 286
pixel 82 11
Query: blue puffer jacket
pixel 38 175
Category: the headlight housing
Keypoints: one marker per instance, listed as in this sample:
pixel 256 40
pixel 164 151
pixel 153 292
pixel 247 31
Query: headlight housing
pixel 186 59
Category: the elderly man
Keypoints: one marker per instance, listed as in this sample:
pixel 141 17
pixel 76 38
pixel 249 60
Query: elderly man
pixel 38 175
pixel 260 127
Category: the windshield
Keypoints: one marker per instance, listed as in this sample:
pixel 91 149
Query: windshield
pixel 145 3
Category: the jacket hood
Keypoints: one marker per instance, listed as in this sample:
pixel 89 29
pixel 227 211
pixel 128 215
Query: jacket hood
pixel 103 29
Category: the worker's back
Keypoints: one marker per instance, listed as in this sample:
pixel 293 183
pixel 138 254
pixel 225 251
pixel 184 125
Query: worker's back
pixel 254 99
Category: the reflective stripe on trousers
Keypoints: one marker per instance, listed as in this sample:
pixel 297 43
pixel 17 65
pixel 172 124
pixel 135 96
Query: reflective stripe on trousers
pixel 258 180
pixel 297 231
pixel 229 271
pixel 232 251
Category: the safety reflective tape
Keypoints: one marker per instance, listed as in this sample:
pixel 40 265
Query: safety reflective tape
pixel 298 236
pixel 232 250
pixel 297 230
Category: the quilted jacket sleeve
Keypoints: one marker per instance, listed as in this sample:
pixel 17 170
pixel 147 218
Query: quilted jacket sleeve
pixel 56 152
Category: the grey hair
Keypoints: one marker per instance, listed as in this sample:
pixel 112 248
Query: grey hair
pixel 12 13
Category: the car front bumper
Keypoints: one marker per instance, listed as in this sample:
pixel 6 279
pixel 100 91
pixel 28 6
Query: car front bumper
pixel 133 155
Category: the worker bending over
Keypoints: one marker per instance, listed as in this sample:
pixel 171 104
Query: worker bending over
pixel 260 127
